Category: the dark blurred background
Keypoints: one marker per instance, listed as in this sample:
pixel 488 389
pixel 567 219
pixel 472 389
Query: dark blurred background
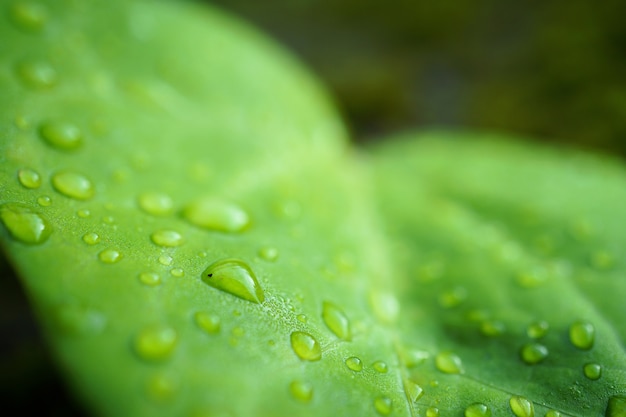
pixel 553 70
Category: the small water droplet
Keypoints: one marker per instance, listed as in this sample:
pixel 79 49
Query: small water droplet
pixel 353 363
pixel 533 353
pixel 383 405
pixel 234 277
pixel 302 318
pixel 165 260
pixel 156 204
pixel 538 329
pixel 521 406
pixel 412 390
pixel 384 305
pixel 29 16
pixel 218 215
pixel 336 320
pixel 301 391
pixel 380 367
pixel 155 343
pixel 73 185
pixel 83 213
pixel 61 135
pixel 477 410
pixel 177 272
pixel 553 413
pixel 432 412
pixel 91 238
pixel 110 256
pixel 29 178
pixel 108 219
pixel 449 363
pixel 492 328
pixel 161 388
pixel 149 278
pixel 210 323
pixel 268 253
pixel 582 335
pixel 37 75
pixel 413 357
pixel 306 346
pixel 592 371
pixel 616 406
pixel 24 224
pixel 453 297
pixel 167 238
pixel 44 201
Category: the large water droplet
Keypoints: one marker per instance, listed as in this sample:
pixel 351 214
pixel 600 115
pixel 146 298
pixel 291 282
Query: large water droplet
pixel 155 343
pixel 234 277
pixel 380 367
pixel 336 320
pixel 354 364
pixel 383 405
pixel 217 215
pixel 301 391
pixel 521 407
pixel 210 323
pixel 29 178
pixel 29 16
pixel 477 410
pixel 73 185
pixel 592 371
pixel 167 238
pixel 449 363
pixel 306 346
pixel 412 390
pixel 150 279
pixel 61 135
pixel 24 224
pixel 37 75
pixel 156 204
pixel 616 407
pixel 91 238
pixel 582 335
pixel 533 353
pixel 110 256
pixel 537 329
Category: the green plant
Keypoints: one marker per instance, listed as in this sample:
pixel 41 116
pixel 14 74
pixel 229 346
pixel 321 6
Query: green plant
pixel 198 239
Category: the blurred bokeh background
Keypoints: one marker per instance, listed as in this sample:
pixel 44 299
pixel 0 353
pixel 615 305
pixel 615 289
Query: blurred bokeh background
pixel 552 70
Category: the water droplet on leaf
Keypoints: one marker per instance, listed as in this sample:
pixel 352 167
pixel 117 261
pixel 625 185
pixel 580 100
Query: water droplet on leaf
pixel 61 135
pixel 177 272
pixel 521 407
pixel 218 215
pixel 91 238
pixel 412 390
pixel 210 323
pixel 383 405
pixel 380 367
pixel 477 410
pixel 616 407
pixel 155 343
pixel 582 335
pixel 306 346
pixel 29 178
pixel 537 329
pixel 336 320
pixel 37 75
pixel 234 277
pixel 165 260
pixel 533 353
pixel 268 253
pixel 167 238
pixel 354 364
pixel 432 412
pixel 29 16
pixel 449 363
pixel 149 278
pixel 592 371
pixel 72 184
pixel 156 204
pixel 110 256
pixel 44 201
pixel 301 391
pixel 24 224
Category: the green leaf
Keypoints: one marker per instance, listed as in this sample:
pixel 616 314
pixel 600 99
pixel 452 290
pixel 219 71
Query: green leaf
pixel 196 239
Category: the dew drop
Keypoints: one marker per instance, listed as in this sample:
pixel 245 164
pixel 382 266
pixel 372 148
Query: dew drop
pixel 582 335
pixel 301 391
pixel 38 75
pixel 165 260
pixel 24 224
pixel 616 407
pixel 177 272
pixel 521 406
pixel 412 390
pixel 432 412
pixel 449 363
pixel 161 388
pixel 61 135
pixel 354 364
pixel 234 277
pixel 592 371
pixel 553 413
pixel 150 279
pixel 380 367
pixel 29 16
pixel 453 298
pixel 268 253
pixel 167 238
pixel 413 357
pixel 302 318
pixel 384 305
pixel 44 201
pixel 110 256
pixel 383 405
pixel 210 323
pixel 218 215
pixel 538 329
pixel 336 320
pixel 492 328
pixel 91 238
pixel 477 410
pixel 306 346
pixel 156 204
pixel 155 343
pixel 83 213
pixel 533 353
pixel 29 178
pixel 73 185
pixel 108 219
